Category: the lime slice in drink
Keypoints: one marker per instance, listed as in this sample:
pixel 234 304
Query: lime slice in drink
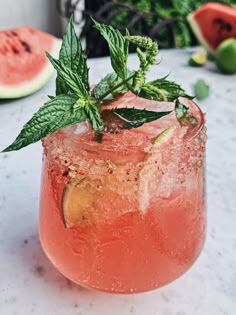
pixel 76 204
pixel 164 136
pixel 198 59
pixel 151 169
pixel 225 56
pixel 92 202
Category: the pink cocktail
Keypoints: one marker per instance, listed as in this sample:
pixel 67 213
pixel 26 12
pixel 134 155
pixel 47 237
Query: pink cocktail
pixel 128 214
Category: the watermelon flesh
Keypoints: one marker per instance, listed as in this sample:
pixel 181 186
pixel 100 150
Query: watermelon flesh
pixel 24 67
pixel 212 23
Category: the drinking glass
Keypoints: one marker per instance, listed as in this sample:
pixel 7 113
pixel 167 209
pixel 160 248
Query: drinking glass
pixel 128 214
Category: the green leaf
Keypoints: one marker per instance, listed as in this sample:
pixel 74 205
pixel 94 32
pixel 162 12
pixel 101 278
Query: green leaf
pixel 134 117
pixel 111 86
pixel 162 90
pixel 54 114
pixel 201 90
pixel 93 113
pixel 118 46
pixel 184 115
pixel 71 79
pixel 73 57
pixel 98 136
pixel 106 85
pixel 180 109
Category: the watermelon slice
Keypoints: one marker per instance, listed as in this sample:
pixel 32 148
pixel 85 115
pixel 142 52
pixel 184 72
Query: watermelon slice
pixel 212 23
pixel 24 67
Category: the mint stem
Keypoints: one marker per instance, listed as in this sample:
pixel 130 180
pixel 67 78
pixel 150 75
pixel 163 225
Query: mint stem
pixel 115 88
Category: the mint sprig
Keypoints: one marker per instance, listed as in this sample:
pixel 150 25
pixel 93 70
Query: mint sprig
pixel 74 102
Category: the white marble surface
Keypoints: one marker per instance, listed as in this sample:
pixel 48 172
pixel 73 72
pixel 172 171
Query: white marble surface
pixel 28 282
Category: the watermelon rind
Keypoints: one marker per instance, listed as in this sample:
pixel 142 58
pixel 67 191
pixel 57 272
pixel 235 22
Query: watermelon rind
pixel 198 33
pixel 30 87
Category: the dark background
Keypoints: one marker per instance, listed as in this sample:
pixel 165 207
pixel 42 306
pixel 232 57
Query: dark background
pixel 163 20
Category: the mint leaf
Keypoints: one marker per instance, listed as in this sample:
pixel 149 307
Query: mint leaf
pixel 54 114
pixel 105 87
pixel 201 90
pixel 161 90
pixel 98 136
pixel 93 113
pixel 118 46
pixel 184 115
pixel 134 117
pixel 111 86
pixel 73 57
pixel 180 110
pixel 71 79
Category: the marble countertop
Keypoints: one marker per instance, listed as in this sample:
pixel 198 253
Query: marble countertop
pixel 29 284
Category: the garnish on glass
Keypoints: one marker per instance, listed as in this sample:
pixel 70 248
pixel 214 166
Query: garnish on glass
pixel 75 101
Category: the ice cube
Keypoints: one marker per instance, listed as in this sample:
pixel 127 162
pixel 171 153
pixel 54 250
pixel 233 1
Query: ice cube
pixel 81 127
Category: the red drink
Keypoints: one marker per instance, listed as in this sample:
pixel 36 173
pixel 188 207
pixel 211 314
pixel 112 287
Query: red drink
pixel 134 209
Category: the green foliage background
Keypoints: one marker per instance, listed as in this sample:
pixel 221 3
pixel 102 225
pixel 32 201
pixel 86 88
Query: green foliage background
pixel 175 31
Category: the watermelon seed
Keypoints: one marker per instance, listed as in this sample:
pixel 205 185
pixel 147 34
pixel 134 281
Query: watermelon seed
pixel 223 25
pixel 26 47
pixel 228 27
pixel 14 33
